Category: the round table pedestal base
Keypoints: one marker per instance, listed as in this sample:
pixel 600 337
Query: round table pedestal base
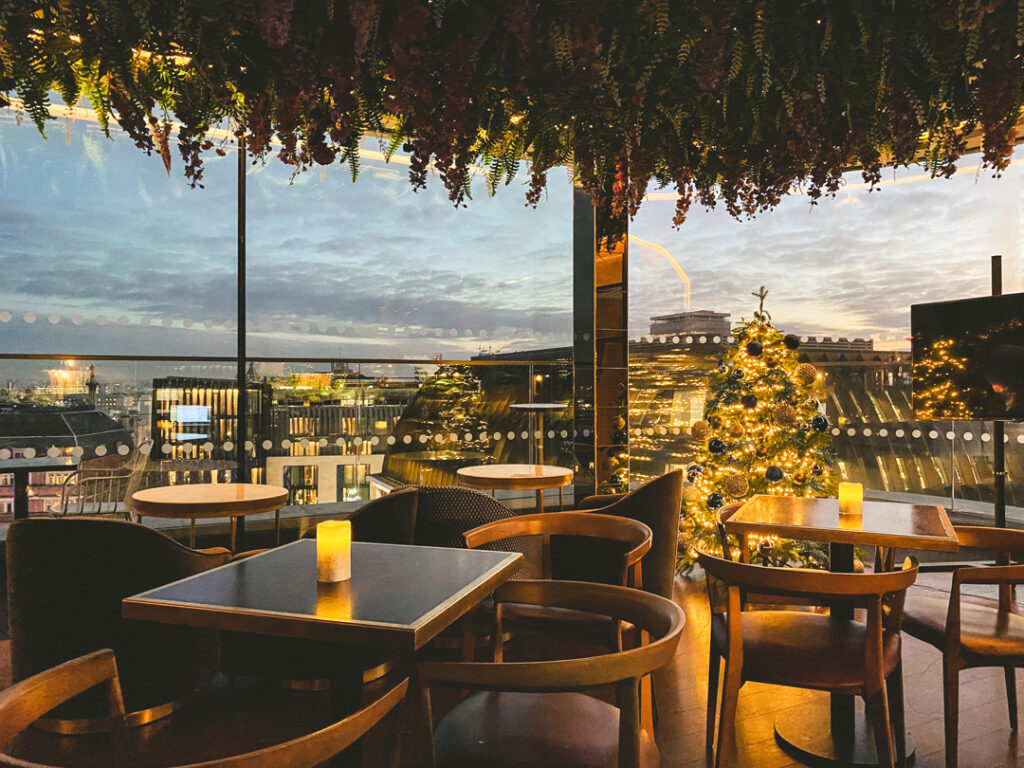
pixel 806 737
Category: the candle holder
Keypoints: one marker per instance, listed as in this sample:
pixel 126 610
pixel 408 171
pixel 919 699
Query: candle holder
pixel 334 551
pixel 851 500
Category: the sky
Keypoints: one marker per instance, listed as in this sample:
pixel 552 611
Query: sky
pixel 103 252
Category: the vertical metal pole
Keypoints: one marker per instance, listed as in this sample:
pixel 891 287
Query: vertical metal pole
pixel 242 431
pixel 998 448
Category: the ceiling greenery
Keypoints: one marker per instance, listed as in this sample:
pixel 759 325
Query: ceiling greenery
pixel 730 102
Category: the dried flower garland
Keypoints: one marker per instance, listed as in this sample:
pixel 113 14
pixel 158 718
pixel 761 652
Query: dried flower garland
pixel 726 100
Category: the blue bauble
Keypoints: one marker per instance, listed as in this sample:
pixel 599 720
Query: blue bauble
pixel 715 501
pixel 819 423
pixel 716 446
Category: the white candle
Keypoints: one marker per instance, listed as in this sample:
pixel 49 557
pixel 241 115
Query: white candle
pixel 851 499
pixel 334 551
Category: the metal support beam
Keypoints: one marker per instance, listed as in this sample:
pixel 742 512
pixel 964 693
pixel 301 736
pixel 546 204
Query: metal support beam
pixel 600 351
pixel 242 430
pixel 998 446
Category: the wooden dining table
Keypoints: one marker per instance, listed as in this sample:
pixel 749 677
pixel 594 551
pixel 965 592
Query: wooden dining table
pixel 398 599
pixel 190 501
pixel 840 736
pixel 517 477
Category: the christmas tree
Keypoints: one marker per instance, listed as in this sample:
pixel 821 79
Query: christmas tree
pixel 764 432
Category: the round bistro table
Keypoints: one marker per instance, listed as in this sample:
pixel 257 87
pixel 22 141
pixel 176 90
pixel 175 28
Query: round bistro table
pixel 517 477
pixel 206 500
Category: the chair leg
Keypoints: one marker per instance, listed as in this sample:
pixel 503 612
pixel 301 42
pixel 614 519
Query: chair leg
pixel 894 687
pixel 727 716
pixel 628 699
pixel 877 707
pixel 951 700
pixel 1011 695
pixel 714 667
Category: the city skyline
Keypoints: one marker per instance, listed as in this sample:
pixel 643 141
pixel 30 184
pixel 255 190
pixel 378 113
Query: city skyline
pixel 374 270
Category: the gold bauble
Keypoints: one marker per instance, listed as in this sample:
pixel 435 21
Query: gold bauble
pixel 799 478
pixel 691 495
pixel 700 430
pixel 805 374
pixel 736 429
pixel 761 451
pixel 736 485
pixel 785 414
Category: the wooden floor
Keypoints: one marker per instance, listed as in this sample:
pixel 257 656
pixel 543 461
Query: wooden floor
pixel 985 742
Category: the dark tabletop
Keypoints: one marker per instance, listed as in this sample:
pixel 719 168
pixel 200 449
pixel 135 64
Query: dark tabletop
pixel 399 596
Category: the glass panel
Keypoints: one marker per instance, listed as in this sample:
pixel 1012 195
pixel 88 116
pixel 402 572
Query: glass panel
pixel 373 269
pixel 842 275
pixel 104 252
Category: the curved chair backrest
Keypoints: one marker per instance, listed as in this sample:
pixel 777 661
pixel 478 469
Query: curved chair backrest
pixel 629 539
pixel 24 703
pixel 1005 543
pixel 103 487
pixel 66 580
pixel 391 519
pixel 657 503
pixel 662 620
pixel 868 589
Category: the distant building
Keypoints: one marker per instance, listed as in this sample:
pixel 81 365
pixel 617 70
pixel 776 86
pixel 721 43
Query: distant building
pixel 188 413
pixel 702 322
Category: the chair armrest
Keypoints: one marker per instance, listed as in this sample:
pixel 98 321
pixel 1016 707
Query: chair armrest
pixel 244 555
pixel 214 551
pixel 599 501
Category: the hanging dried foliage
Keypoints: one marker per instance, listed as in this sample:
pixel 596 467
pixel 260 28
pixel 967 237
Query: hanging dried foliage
pixel 731 101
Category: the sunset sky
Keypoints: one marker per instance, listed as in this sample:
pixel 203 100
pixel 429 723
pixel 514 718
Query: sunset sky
pixel 106 253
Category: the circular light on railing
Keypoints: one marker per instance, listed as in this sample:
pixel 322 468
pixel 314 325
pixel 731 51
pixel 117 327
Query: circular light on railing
pixel 586 433
pixel 207 446
pixel 123 320
pixel 511 435
pixel 374 440
pixel 53 317
pixel 867 432
pixel 124 449
pixel 899 433
pixel 423 438
pixel 322 442
pixel 716 339
pixel 101 319
pixel 167 322
pixel 438 438
pixel 883 432
pixel 79 450
pixel 675 339
pixel 53 452
pixel 835 431
pixel 483 437
pixel 551 433
pixel 29 317
pixel 662 431
pixel 985 437
pixel 524 435
pixel 101 450
pixel 933 434
pixel 165 448
pixel 915 434
pixel 5 453
pixel 730 339
pixel 496 435
pixel 391 440
pixel 5 316
pixel 564 433
pixel 676 430
pixel 851 432
pixel 538 435
pixel 267 445
pixel 1020 438
pixel 357 441
pixel 304 442
pixel 703 339
pixel 968 436
pixel 286 443
pixel 689 339
pixel 228 446
pixel 950 434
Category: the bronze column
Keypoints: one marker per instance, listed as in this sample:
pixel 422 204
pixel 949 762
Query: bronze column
pixel 600 349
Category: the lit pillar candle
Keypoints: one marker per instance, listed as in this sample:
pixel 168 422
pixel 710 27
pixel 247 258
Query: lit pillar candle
pixel 334 551
pixel 851 499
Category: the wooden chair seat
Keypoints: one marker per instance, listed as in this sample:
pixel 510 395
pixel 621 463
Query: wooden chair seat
pixel 985 630
pixel 806 650
pixel 492 729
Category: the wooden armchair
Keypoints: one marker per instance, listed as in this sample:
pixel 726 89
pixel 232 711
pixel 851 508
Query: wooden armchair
pixel 973 631
pixel 104 489
pixel 807 650
pixel 534 712
pixel 26 702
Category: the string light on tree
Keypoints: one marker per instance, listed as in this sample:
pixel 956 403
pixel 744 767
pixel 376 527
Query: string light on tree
pixel 763 432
